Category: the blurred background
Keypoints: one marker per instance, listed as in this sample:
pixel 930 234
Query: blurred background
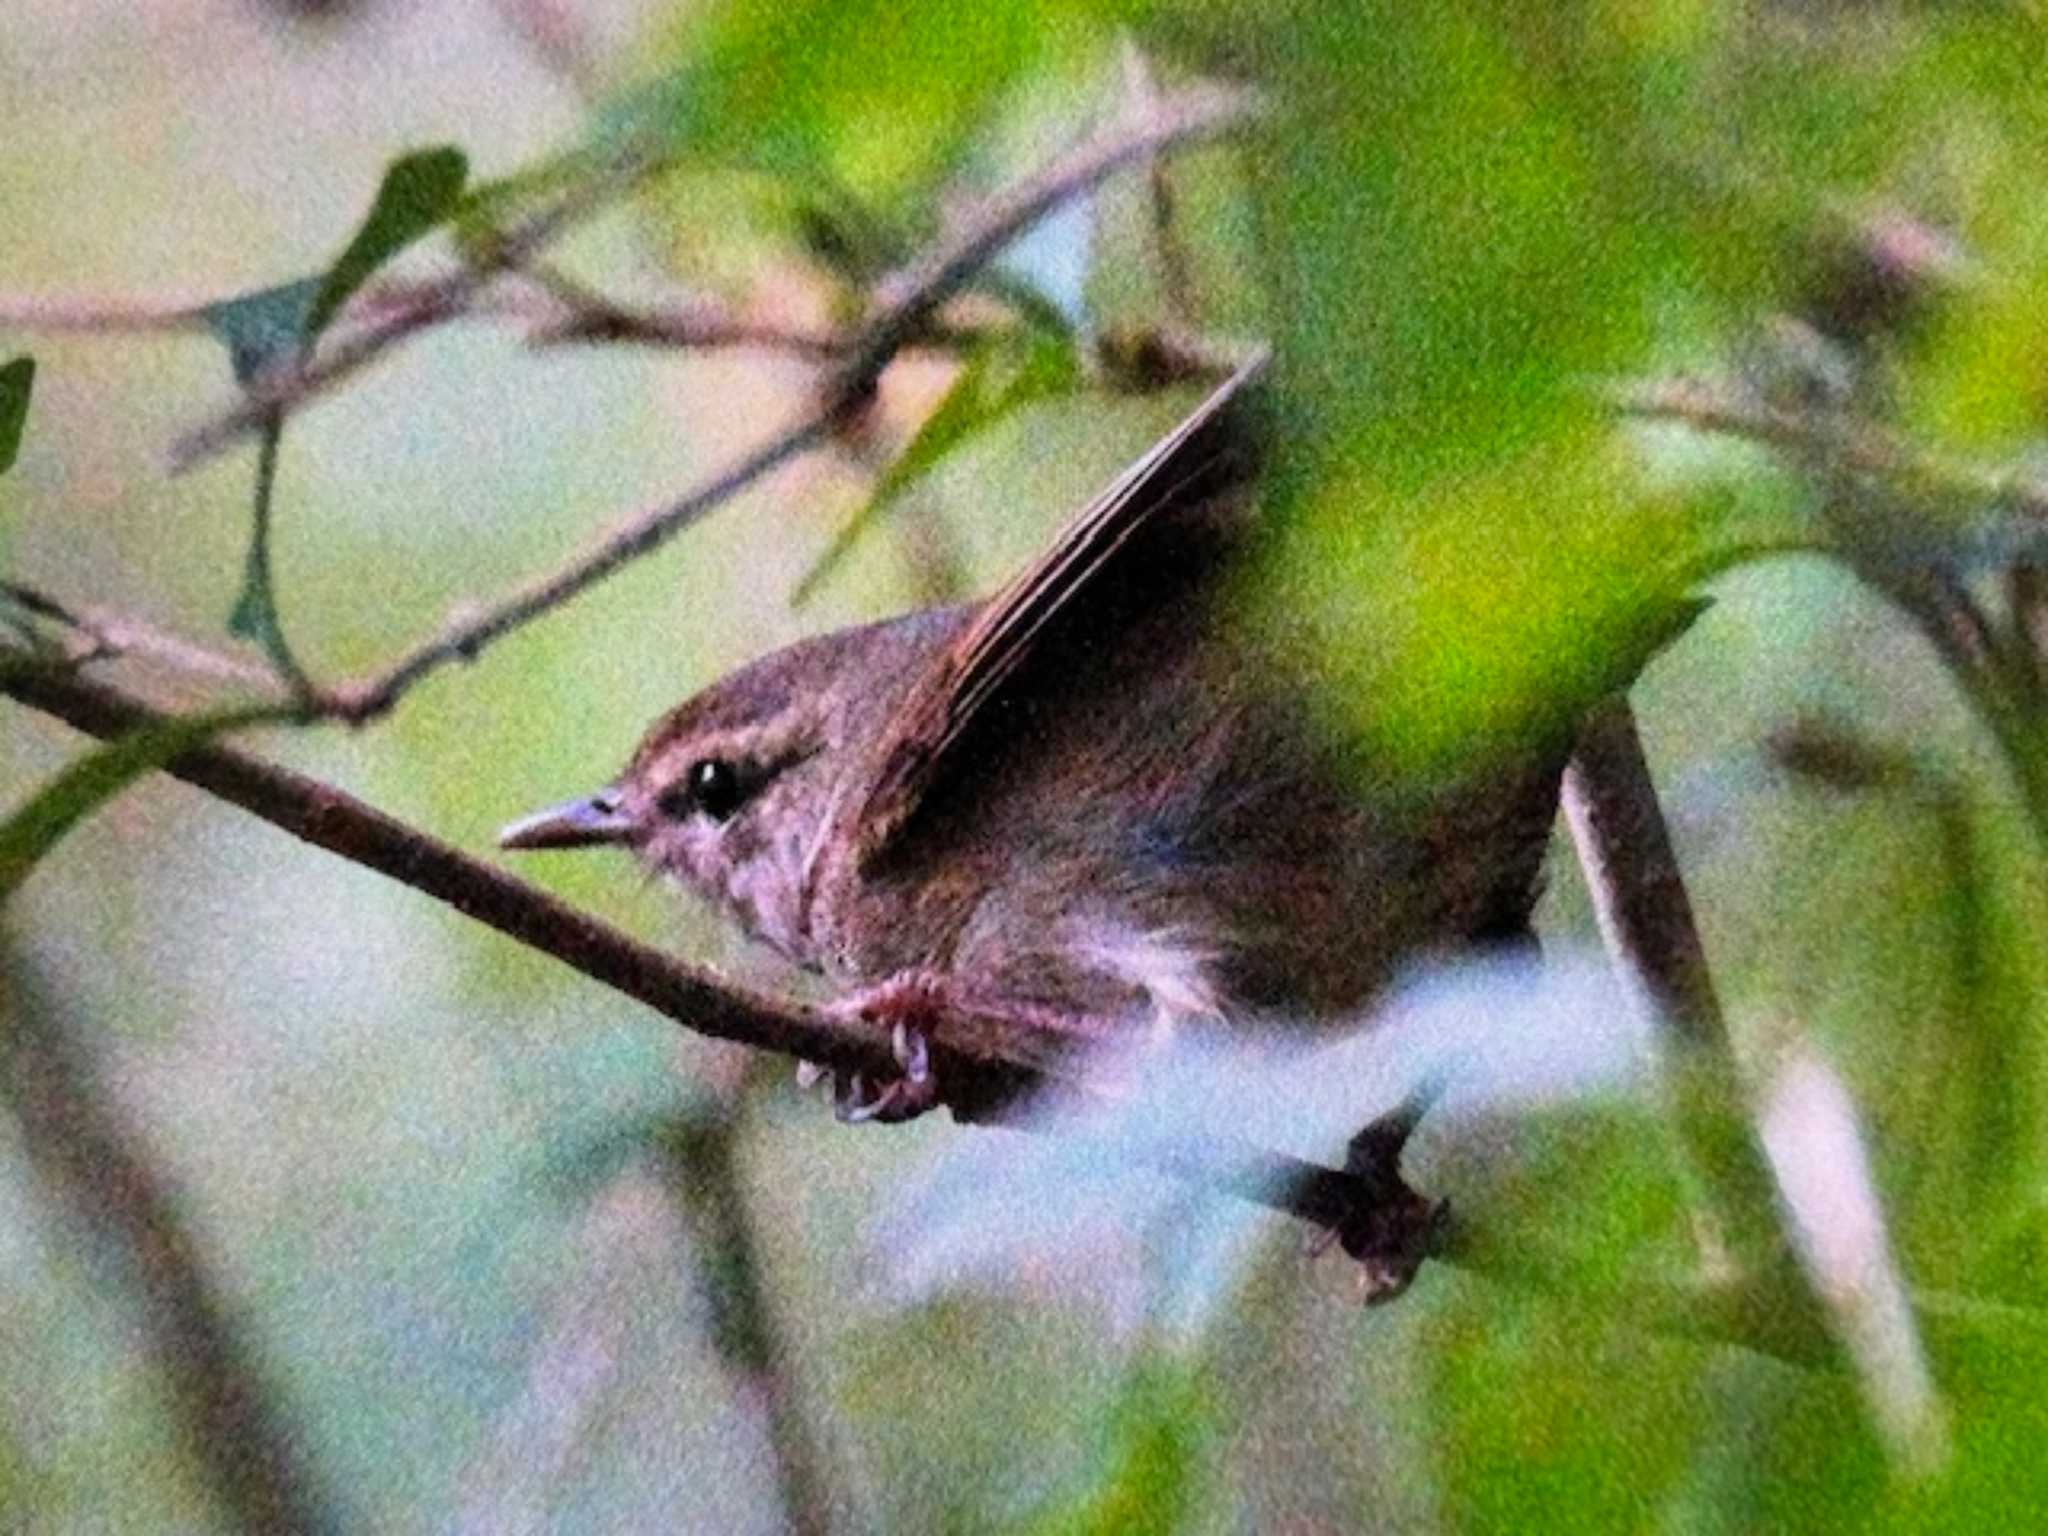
pixel 322 1208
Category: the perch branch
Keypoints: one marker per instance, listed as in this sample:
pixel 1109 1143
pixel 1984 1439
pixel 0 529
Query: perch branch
pixel 976 1051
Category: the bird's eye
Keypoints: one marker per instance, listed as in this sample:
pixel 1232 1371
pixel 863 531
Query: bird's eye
pixel 710 785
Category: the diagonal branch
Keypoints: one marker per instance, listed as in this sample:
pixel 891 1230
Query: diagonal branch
pixel 1646 921
pixel 973 1053
pixel 905 306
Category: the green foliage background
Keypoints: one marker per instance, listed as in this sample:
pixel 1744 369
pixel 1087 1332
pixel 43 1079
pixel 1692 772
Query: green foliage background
pixel 454 1200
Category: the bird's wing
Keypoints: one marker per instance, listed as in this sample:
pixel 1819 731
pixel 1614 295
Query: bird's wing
pixel 1142 529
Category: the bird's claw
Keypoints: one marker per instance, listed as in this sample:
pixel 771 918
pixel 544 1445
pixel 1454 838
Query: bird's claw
pixel 901 1098
pixel 854 1098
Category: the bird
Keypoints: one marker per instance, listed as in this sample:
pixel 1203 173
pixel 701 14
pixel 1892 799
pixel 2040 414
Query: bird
pixel 1098 801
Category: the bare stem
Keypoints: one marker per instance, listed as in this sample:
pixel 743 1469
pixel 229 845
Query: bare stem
pixel 469 633
pixel 230 1412
pixel 1645 918
pixel 905 301
pixel 96 634
pixel 1860 447
pixel 1176 275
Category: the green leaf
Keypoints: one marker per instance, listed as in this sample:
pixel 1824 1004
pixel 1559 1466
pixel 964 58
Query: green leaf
pixel 90 782
pixel 255 616
pixel 1154 1463
pixel 419 191
pixel 16 380
pixel 996 379
pixel 263 330
pixel 275 327
pixel 842 94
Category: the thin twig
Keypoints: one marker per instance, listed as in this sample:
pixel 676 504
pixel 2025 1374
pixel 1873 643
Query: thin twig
pixel 447 297
pixel 469 633
pixel 583 315
pixel 98 314
pixel 1176 275
pixel 556 310
pixel 143 313
pixel 1858 446
pixel 908 300
pixel 98 634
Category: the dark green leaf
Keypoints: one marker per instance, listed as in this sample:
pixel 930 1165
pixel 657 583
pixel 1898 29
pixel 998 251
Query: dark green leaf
pixel 419 191
pixel 16 380
pixel 264 330
pixel 997 378
pixel 91 781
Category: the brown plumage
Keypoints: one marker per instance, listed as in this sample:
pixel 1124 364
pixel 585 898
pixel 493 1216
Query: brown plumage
pixel 1091 794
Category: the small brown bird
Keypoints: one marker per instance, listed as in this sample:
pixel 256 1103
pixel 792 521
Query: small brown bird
pixel 1091 800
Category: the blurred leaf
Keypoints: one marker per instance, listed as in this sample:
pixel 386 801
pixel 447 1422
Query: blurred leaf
pixel 17 379
pixel 1553 1412
pixel 1155 1462
pixel 998 377
pixel 92 780
pixel 842 93
pixel 1451 623
pixel 419 191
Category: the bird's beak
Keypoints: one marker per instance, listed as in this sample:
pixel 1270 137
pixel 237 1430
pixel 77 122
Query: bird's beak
pixel 584 823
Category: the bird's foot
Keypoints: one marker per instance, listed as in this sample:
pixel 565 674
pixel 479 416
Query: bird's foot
pixel 907 1003
pixel 1392 1228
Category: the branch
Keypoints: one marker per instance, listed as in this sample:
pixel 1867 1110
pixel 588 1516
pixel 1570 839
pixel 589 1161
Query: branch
pixel 1854 445
pixel 975 1055
pixel 98 634
pixel 468 633
pixel 1646 921
pixel 905 305
pixel 226 1404
pixel 980 1053
pixel 556 310
pixel 904 302
pixel 581 315
pixel 447 297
